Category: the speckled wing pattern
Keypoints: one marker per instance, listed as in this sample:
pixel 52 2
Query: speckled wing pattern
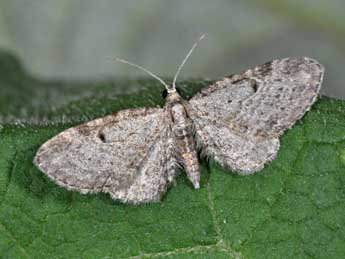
pixel 133 154
pixel 238 119
pixel 126 154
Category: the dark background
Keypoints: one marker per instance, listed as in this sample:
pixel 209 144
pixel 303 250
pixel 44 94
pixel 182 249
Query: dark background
pixel 77 39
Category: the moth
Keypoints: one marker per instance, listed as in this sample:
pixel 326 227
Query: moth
pixel 135 154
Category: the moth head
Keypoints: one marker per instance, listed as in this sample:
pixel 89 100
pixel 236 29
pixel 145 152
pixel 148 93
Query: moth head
pixel 172 95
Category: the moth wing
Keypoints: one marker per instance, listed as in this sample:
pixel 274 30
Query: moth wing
pixel 231 151
pixel 261 103
pixel 238 119
pixel 124 154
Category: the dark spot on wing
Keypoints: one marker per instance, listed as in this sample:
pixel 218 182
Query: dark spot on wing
pixel 101 137
pixel 254 85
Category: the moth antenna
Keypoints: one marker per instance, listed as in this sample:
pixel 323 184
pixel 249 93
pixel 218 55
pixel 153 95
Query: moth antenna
pixel 185 59
pixel 145 70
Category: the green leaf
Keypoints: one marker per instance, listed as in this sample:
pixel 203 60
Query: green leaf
pixel 294 208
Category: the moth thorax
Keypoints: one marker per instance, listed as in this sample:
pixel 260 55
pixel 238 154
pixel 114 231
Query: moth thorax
pixel 178 113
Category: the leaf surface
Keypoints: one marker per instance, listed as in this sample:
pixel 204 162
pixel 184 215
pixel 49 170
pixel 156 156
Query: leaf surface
pixel 294 208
